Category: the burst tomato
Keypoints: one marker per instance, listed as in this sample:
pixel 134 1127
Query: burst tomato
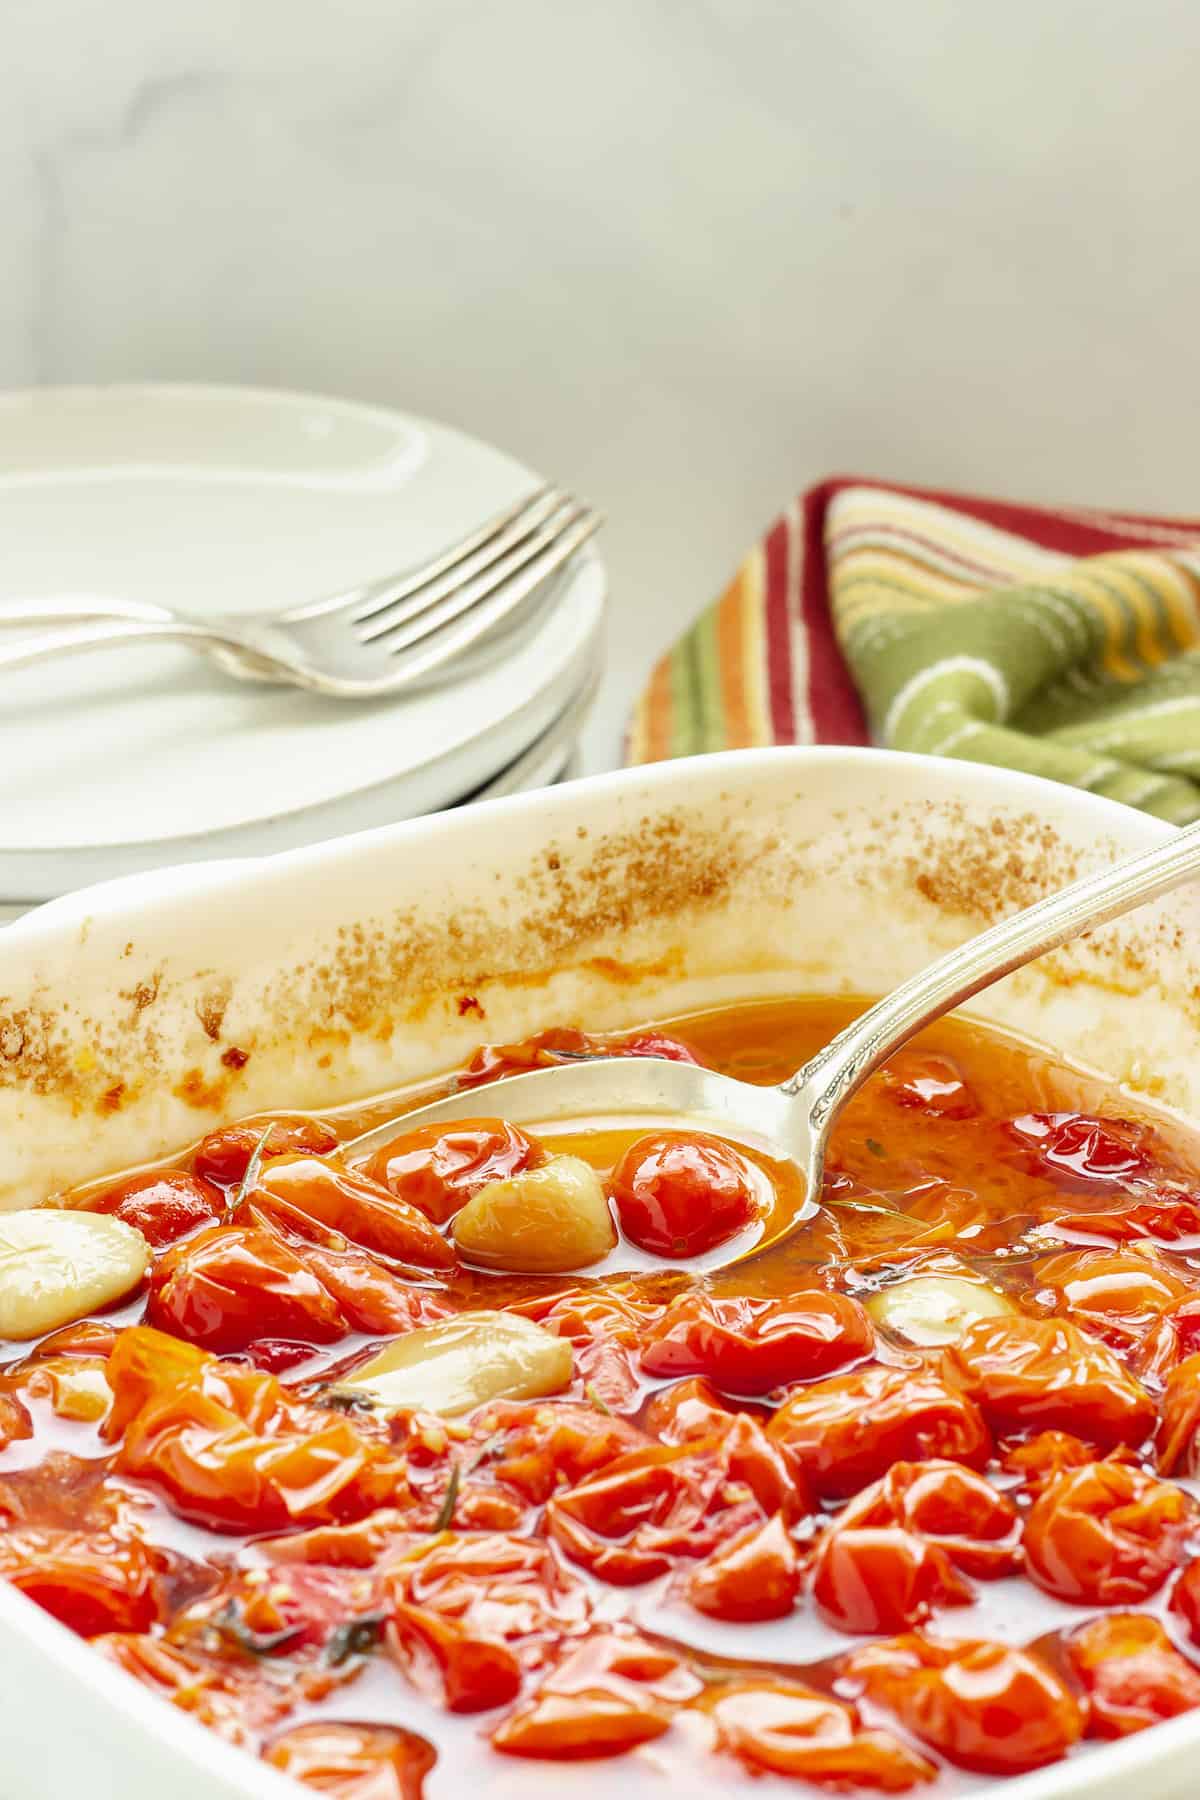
pixel 956 1510
pixel 438 1168
pixel 850 1429
pixel 680 1193
pixel 224 1155
pixel 611 1693
pixel 163 1204
pixel 1107 1534
pixel 985 1706
pixel 882 1578
pixel 1046 1374
pixel 231 1285
pixel 786 1729
pixel 354 1762
pixel 749 1346
pixel 93 1581
pixel 1131 1672
pixel 756 1575
pixel 1079 1152
pixel 313 1198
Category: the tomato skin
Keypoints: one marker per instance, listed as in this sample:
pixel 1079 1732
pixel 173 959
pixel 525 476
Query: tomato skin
pixel 1107 1534
pixel 306 1195
pixel 1168 1218
pixel 438 1168
pixel 1081 1153
pixel 786 1729
pixel 1132 1674
pixel 749 1346
pixel 685 1411
pixel 644 1511
pixel 952 1508
pixel 986 1707
pixel 849 1429
pixel 163 1204
pixel 611 1693
pixel 232 1449
pixel 1117 1296
pixel 1046 1374
pixel 495 1585
pixel 464 1671
pixel 231 1285
pixel 224 1156
pixel 91 1581
pixel 882 1578
pixel 563 1044
pixel 1176 1446
pixel 753 1576
pixel 354 1762
pixel 680 1193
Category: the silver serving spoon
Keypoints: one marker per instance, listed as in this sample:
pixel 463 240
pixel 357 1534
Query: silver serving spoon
pixel 793 1121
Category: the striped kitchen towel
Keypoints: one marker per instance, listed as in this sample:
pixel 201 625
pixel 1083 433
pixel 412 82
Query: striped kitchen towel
pixel 1065 642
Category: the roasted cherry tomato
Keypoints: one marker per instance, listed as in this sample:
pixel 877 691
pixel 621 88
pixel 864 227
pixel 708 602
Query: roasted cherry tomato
pixel 1117 1296
pixel 315 1199
pixel 1082 1153
pixel 93 1581
pixel 232 1285
pixel 231 1449
pixel 1046 1374
pixel 783 1728
pixel 882 1578
pixel 354 1762
pixel 1176 1446
pixel 754 1576
pixel 224 1155
pixel 984 1706
pixel 438 1168
pixel 749 1346
pixel 1131 1672
pixel 1107 1534
pixel 951 1507
pixel 1167 1218
pixel 680 1193
pixel 607 1695
pixel 684 1411
pixel 1185 1600
pixel 850 1429
pixel 163 1204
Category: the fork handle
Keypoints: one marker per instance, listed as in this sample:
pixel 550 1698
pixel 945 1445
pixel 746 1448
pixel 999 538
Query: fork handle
pixel 107 633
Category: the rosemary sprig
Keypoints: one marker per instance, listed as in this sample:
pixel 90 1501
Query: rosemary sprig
pixel 355 1637
pixel 445 1512
pixel 231 1628
pixel 594 1399
pixel 249 1180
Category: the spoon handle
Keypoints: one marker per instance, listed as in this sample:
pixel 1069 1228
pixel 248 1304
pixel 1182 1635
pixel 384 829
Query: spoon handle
pixel 855 1053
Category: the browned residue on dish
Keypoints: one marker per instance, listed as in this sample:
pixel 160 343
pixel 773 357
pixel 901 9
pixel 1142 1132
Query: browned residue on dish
pixel 576 904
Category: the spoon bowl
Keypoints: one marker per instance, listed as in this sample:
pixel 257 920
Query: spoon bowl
pixel 792 1122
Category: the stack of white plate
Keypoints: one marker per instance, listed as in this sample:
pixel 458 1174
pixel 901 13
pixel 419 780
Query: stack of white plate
pixel 231 500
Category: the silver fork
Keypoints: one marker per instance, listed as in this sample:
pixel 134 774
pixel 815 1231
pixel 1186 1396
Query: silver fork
pixel 389 634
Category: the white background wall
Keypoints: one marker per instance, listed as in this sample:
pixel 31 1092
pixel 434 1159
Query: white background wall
pixel 685 254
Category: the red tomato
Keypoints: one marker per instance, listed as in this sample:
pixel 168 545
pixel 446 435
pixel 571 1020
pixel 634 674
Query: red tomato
pixel 881 1578
pixel 633 1520
pixel 1176 1446
pixel 930 1084
pixel 464 1671
pixel 539 1449
pixel 952 1508
pixel 1046 1374
pixel 224 1155
pixel 231 1285
pixel 438 1168
pixel 236 1698
pixel 1185 1600
pixel 231 1449
pixel 163 1204
pixel 850 1429
pixel 684 1412
pixel 303 1192
pixel 755 1575
pixel 1107 1534
pixel 1131 1672
pixel 787 1729
pixel 680 1193
pixel 1115 1295
pixel 278 1611
pixel 984 1706
pixel 354 1762
pixel 749 1346
pixel 1041 1458
pixel 93 1581
pixel 1082 1153
pixel 1168 1218
pixel 612 1692
pixel 495 1585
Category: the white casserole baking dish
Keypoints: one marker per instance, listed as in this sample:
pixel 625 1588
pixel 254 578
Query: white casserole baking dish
pixel 344 969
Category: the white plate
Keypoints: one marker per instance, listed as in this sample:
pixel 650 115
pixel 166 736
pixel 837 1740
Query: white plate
pixel 233 500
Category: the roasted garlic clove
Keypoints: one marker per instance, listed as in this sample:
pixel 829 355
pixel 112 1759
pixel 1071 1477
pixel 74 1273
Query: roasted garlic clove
pixel 56 1267
pixel 459 1363
pixel 547 1220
